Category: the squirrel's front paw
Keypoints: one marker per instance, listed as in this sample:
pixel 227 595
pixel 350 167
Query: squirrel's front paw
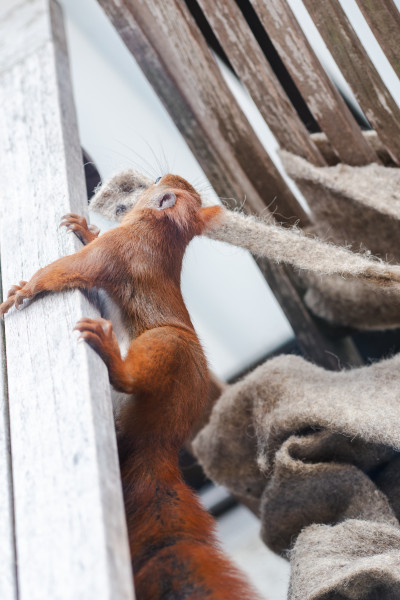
pixel 16 295
pixel 86 233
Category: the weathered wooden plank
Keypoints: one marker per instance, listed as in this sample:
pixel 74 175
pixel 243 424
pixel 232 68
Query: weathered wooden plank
pixel 8 573
pixel 383 17
pixel 322 98
pixel 69 517
pixel 256 74
pixel 323 145
pixel 21 20
pixel 352 59
pixel 175 58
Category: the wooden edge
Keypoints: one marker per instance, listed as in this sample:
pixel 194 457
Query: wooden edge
pixel 8 562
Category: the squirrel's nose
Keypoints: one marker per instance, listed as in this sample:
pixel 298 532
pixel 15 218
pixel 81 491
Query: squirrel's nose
pixel 166 200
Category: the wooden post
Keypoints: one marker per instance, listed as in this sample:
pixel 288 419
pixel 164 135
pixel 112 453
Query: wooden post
pixel 70 530
pixel 374 98
pixel 322 98
pixel 172 53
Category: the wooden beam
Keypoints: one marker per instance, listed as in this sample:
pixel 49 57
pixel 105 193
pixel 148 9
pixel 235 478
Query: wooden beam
pixel 172 53
pixel 321 96
pixel 256 74
pixel 374 98
pixel 383 17
pixel 70 525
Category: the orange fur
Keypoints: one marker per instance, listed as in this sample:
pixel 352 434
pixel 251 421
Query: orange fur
pixel 173 548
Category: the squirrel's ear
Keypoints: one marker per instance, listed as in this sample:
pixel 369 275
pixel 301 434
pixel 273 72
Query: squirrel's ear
pixel 211 216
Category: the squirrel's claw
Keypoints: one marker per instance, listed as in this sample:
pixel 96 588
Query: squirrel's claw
pixel 15 297
pixel 78 225
pixel 99 334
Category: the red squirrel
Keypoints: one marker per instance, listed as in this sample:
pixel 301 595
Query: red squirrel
pixel 174 552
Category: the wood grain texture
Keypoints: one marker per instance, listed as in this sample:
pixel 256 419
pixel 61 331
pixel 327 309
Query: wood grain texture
pixel 383 18
pixel 352 59
pixel 170 49
pixel 8 573
pixel 256 74
pixel 175 58
pixel 69 517
pixel 321 96
pixel 331 158
pixel 21 20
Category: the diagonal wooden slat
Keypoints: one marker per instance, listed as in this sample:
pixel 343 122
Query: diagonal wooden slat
pixel 383 17
pixel 352 59
pixel 255 72
pixel 323 145
pixel 70 528
pixel 170 49
pixel 322 98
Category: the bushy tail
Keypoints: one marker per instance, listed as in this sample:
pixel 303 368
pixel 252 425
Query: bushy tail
pixel 174 550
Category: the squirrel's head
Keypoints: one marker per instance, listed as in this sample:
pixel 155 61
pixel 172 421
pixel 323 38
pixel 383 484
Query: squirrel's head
pixel 169 198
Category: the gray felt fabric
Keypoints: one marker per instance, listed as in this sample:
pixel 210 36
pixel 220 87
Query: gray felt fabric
pixel 352 205
pixel 357 206
pixel 353 303
pixel 319 451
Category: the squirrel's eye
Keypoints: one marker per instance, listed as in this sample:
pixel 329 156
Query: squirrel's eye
pixel 121 208
pixel 157 180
